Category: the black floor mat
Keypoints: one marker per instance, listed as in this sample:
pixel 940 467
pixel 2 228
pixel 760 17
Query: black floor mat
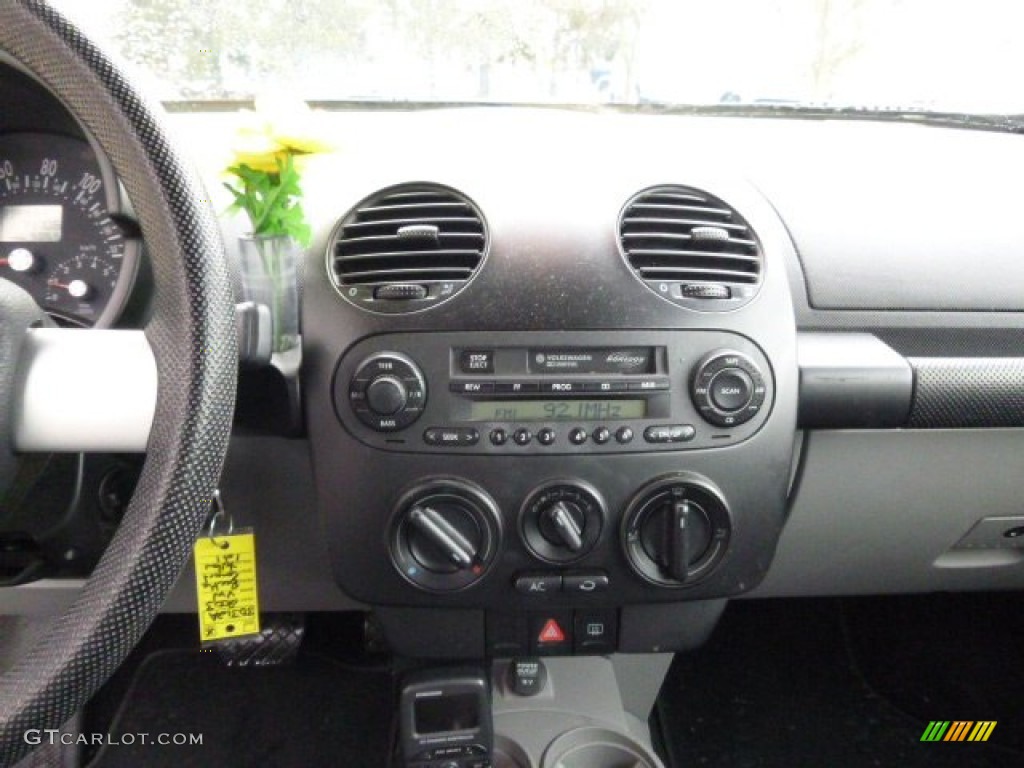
pixel 316 711
pixel 945 655
pixel 777 687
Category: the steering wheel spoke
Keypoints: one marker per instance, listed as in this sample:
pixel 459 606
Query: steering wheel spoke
pixel 84 391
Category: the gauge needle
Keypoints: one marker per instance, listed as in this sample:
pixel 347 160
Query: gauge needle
pixel 57 284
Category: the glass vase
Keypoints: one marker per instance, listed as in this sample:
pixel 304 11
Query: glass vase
pixel 269 271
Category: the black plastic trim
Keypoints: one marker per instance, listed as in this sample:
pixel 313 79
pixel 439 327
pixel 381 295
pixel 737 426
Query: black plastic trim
pixel 851 380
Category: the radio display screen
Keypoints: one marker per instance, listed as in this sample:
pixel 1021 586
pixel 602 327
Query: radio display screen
pixel 557 410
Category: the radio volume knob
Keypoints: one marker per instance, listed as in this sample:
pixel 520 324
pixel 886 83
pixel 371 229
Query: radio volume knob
pixel 386 395
pixel 387 392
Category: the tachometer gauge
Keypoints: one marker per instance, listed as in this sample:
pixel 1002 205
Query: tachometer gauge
pixel 61 236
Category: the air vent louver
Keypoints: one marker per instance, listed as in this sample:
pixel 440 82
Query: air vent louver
pixel 691 248
pixel 407 247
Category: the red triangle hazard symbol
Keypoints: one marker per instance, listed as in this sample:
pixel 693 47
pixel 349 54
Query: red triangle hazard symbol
pixel 552 633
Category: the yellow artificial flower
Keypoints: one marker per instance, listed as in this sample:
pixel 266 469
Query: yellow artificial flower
pixel 279 126
pixel 260 153
pixel 291 123
pixel 271 147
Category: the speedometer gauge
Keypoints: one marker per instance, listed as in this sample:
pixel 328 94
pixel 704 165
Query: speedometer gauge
pixel 61 234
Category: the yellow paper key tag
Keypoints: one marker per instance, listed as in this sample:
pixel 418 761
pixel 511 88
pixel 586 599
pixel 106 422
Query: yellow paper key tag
pixel 226 583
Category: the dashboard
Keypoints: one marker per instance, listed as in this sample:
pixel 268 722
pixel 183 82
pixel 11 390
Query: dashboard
pixel 597 413
pixel 610 373
pixel 66 232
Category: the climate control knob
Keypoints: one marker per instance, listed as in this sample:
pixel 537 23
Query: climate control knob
pixel 387 392
pixel 728 389
pixel 676 530
pixel 561 521
pixel 445 535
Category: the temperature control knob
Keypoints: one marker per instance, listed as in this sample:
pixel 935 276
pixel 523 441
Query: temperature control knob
pixel 676 530
pixel 561 521
pixel 445 535
pixel 387 392
pixel 728 389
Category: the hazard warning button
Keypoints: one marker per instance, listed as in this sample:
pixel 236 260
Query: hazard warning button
pixel 551 633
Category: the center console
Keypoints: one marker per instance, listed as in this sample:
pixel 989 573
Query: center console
pixel 575 714
pixel 538 434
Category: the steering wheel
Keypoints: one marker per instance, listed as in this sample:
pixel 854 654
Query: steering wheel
pixel 192 337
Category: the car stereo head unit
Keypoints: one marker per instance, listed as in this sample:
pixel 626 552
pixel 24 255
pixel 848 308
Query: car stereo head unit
pixel 520 394
pixel 580 384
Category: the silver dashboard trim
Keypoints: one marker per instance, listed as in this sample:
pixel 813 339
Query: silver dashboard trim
pixel 84 391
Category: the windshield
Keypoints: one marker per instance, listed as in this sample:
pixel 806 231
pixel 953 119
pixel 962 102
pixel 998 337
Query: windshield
pixel 954 55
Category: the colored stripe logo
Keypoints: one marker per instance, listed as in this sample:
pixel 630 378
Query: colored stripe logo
pixel 958 730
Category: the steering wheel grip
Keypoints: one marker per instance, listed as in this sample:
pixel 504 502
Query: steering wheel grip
pixel 193 340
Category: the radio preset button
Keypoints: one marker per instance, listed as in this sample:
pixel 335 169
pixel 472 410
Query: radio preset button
pixel 498 436
pixel 578 436
pixel 602 435
pixel 546 436
pixel 624 435
pixel 522 436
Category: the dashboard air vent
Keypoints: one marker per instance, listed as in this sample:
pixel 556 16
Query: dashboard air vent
pixel 407 248
pixel 691 248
